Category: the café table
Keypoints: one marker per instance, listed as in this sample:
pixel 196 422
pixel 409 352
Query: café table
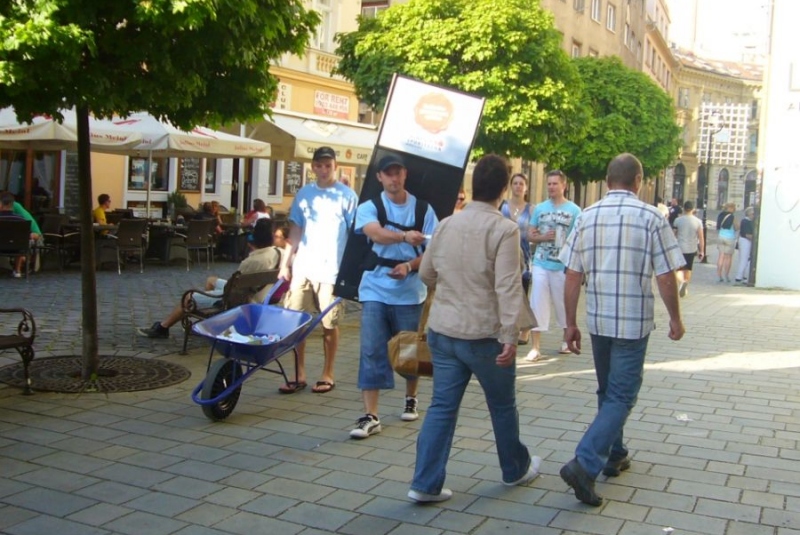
pixel 232 243
pixel 162 235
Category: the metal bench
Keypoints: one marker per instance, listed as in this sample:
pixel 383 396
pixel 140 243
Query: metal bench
pixel 21 339
pixel 239 290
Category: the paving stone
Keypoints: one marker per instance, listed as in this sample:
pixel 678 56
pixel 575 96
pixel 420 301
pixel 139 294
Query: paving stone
pixel 49 502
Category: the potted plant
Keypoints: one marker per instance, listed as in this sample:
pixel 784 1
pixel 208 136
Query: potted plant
pixel 175 201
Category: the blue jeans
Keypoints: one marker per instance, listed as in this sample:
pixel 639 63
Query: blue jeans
pixel 379 322
pixel 619 365
pixel 454 362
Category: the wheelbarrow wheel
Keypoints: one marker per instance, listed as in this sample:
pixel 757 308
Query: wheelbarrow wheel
pixel 222 374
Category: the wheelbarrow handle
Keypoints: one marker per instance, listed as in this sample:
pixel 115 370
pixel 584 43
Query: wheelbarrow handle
pixel 275 287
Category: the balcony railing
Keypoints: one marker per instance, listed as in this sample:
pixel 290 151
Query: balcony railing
pixel 313 62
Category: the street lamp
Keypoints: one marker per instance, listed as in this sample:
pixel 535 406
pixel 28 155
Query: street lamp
pixel 714 127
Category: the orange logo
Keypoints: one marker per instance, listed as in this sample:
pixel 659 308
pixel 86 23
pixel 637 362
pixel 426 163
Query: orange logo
pixel 433 112
pixel 348 154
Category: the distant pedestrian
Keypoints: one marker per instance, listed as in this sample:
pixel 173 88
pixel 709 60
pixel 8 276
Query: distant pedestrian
pixel 551 223
pixel 674 211
pixel 519 210
pixel 619 243
pixel 745 246
pixel 726 241
pixel 662 207
pixel 689 231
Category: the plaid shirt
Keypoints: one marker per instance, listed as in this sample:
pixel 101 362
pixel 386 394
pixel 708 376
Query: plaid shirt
pixel 619 243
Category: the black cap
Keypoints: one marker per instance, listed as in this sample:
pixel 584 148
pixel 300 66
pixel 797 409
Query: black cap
pixel 324 152
pixel 390 160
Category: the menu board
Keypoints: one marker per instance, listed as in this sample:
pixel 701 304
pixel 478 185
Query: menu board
pixel 71 185
pixel 189 174
pixel 293 178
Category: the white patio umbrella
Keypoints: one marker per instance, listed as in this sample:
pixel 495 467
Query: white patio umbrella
pixel 162 139
pixel 45 133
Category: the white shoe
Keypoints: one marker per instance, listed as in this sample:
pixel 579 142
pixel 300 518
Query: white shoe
pixel 533 473
pixel 564 349
pixel 365 426
pixel 533 355
pixel 422 497
pixel 410 412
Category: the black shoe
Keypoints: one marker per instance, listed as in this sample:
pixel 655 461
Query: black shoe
pixel 576 477
pixel 156 331
pixel 614 468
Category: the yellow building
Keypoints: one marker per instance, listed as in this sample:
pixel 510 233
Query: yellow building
pixel 718 106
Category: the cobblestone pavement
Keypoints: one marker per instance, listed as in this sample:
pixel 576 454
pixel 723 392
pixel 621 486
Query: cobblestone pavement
pixel 714 437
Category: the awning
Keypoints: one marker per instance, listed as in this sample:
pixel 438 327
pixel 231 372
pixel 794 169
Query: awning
pixel 295 136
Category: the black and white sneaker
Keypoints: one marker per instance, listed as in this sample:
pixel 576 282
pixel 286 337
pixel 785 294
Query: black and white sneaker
pixel 156 331
pixel 365 426
pixel 410 412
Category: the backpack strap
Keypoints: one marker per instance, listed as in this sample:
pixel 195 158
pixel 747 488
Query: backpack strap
pixel 420 210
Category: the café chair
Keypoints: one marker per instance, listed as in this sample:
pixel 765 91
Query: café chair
pixel 63 244
pixel 199 237
pixel 15 240
pixel 129 238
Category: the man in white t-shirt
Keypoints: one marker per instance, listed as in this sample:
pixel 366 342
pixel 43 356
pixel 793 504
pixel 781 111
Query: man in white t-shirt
pixel 319 219
pixel 689 231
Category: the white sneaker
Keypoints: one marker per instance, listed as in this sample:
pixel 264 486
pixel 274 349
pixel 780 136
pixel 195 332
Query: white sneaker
pixel 422 497
pixel 410 412
pixel 16 274
pixel 683 289
pixel 564 349
pixel 533 473
pixel 365 426
pixel 533 355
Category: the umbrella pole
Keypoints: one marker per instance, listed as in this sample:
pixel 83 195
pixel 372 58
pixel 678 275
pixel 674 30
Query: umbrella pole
pixel 149 179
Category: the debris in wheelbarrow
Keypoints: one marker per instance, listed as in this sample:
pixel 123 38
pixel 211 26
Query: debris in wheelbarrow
pixel 219 392
pixel 233 335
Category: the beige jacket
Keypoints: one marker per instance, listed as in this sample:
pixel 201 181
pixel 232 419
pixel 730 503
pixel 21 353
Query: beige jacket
pixel 473 262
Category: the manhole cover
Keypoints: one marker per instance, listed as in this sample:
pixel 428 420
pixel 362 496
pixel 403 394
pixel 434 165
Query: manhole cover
pixel 115 374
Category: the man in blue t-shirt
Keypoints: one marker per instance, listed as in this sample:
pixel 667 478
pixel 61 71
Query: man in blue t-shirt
pixel 391 295
pixel 319 219
pixel 551 223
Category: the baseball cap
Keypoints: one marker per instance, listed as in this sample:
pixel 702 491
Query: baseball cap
pixel 324 152
pixel 387 161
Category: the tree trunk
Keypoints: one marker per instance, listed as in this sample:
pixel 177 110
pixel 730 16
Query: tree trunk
pixel 91 360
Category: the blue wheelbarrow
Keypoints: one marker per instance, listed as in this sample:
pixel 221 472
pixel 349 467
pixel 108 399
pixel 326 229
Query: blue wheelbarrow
pixel 219 392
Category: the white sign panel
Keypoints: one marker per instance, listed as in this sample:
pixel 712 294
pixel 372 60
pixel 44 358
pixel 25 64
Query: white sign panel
pixel 430 122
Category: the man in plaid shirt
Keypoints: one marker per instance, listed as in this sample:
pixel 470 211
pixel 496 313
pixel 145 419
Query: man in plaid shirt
pixel 617 244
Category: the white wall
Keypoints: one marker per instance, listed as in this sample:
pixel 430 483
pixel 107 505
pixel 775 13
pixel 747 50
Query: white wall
pixel 779 233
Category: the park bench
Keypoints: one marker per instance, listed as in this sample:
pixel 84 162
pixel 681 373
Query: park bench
pixel 21 338
pixel 239 290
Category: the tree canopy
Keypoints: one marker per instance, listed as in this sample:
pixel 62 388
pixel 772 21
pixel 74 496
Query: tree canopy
pixel 627 112
pixel 187 61
pixel 507 52
pixel 191 61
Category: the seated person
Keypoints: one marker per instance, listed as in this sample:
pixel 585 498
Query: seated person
pixel 99 213
pixel 10 209
pixel 207 212
pixel 263 257
pixel 259 211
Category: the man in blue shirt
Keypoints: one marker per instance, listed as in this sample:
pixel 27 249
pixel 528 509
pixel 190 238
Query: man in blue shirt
pixel 320 218
pixel 392 294
pixel 551 223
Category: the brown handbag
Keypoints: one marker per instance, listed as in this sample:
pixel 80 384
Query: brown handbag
pixel 409 353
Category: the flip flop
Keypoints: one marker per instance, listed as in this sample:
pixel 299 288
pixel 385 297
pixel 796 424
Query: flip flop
pixel 292 386
pixel 323 387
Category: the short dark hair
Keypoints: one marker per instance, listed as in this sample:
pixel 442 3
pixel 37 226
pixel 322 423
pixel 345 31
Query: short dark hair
pixel 490 178
pixel 556 172
pixel 7 199
pixel 262 233
pixel 103 198
pixel 622 170
pixel 688 206
pixel 659 200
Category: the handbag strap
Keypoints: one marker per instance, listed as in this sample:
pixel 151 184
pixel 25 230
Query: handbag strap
pixel 426 310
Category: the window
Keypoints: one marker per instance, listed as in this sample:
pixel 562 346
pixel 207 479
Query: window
pixel 323 39
pixel 159 174
pixel 754 143
pixel 597 7
pixel 578 5
pixel 576 49
pixel 370 10
pixel 683 97
pixel 611 18
pixel 593 53
pixel 210 183
pixel 626 36
pixel 754 109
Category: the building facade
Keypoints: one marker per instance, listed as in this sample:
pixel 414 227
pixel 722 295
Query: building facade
pixel 719 106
